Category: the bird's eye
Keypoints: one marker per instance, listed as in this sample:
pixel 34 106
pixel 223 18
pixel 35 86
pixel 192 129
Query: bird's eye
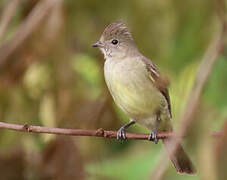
pixel 114 42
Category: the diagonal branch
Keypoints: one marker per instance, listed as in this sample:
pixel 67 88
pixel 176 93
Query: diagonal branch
pixel 33 20
pixel 7 14
pixel 201 79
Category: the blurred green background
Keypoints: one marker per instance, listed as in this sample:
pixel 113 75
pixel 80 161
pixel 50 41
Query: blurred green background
pixel 55 78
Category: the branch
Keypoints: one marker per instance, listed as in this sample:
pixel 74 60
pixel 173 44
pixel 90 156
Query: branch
pixel 7 14
pixel 83 132
pixel 202 76
pixel 36 16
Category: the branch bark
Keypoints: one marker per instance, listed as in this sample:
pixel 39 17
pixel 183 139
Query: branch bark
pixel 83 132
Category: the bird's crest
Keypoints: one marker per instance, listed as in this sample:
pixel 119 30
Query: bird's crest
pixel 117 29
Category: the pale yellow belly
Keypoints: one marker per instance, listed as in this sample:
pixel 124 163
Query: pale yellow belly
pixel 134 93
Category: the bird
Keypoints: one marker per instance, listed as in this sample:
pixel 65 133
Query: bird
pixel 138 89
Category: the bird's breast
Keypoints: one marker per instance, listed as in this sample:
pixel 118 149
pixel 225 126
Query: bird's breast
pixel 131 88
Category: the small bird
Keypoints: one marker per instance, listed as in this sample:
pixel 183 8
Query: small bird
pixel 138 89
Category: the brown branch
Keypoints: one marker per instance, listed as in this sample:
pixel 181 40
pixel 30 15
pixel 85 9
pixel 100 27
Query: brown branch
pixel 26 28
pixel 192 105
pixel 83 132
pixel 7 14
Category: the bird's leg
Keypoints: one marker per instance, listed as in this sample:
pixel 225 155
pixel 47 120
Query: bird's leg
pixel 153 134
pixel 121 131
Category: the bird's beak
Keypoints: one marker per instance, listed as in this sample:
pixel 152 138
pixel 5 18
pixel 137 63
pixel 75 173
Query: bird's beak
pixel 98 44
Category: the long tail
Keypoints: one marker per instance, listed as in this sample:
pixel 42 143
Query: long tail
pixel 180 159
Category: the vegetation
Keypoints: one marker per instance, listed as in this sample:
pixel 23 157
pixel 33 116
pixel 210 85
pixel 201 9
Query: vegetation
pixel 53 77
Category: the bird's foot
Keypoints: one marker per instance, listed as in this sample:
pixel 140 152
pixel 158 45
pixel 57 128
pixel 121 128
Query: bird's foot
pixel 121 134
pixel 153 137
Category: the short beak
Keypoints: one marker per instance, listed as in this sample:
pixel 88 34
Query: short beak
pixel 97 44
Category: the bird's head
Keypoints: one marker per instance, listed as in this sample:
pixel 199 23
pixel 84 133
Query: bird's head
pixel 116 41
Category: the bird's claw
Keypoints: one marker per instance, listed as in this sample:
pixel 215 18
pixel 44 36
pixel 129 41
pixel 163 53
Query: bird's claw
pixel 153 137
pixel 121 134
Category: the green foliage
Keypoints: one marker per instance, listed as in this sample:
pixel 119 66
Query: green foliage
pixel 217 86
pixel 131 165
pixel 55 78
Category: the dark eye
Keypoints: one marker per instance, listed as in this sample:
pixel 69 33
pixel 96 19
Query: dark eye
pixel 114 42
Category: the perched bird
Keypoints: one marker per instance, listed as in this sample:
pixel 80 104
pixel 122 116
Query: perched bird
pixel 138 89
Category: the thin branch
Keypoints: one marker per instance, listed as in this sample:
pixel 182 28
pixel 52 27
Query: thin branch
pixel 201 79
pixel 34 19
pixel 83 132
pixel 7 14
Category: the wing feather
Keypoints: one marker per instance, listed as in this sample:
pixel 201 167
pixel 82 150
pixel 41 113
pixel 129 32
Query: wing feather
pixel 160 83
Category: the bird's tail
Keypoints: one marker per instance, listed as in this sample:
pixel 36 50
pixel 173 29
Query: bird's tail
pixel 180 159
